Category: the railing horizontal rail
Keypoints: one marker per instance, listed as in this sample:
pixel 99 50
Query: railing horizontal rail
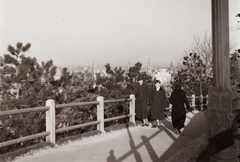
pixel 117 117
pixel 22 139
pixel 50 108
pixel 50 116
pixel 189 97
pixel 76 126
pixel 117 100
pixel 200 97
pixel 21 111
pixel 77 104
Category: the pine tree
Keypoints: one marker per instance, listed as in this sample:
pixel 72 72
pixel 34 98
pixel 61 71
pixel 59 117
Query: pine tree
pixel 195 76
pixel 235 74
pixel 75 87
pixel 31 83
pixel 113 84
pixel 132 76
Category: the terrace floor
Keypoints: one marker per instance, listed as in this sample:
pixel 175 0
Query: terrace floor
pixel 140 144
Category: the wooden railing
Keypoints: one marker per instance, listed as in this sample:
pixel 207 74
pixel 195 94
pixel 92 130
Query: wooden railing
pixel 201 103
pixel 50 108
pixel 193 103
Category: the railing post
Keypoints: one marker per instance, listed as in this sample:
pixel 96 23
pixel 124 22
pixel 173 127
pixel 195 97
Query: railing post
pixel 170 107
pixel 50 121
pixel 193 101
pixel 206 100
pixel 201 102
pixel 132 109
pixel 100 114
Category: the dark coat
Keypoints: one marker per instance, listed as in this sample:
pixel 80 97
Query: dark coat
pixel 142 97
pixel 158 103
pixel 178 99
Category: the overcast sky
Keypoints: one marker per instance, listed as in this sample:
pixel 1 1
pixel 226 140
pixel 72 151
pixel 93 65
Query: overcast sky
pixel 80 32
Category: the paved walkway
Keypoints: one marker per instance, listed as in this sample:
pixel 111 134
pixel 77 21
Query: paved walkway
pixel 140 144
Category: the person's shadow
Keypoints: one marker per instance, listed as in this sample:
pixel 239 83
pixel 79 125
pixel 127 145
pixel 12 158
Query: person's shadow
pixel 111 157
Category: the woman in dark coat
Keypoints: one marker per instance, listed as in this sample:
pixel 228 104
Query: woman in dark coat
pixel 158 104
pixel 178 99
pixel 142 98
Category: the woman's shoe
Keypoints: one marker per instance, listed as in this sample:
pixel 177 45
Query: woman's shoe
pixel 143 125
pixel 154 126
pixel 176 131
pixel 162 124
pixel 179 131
pixel 147 125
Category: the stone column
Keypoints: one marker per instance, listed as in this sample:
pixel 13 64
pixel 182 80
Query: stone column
pixel 219 113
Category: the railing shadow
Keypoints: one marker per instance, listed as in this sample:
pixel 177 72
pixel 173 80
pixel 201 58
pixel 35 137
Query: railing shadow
pixel 145 142
pixel 150 149
pixel 134 148
pixel 168 129
pixel 223 141
pixel 192 131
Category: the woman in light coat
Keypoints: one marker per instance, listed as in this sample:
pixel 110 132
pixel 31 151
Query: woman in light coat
pixel 158 104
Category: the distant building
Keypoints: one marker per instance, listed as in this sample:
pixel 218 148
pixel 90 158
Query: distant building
pixel 173 70
pixel 163 75
pixel 101 70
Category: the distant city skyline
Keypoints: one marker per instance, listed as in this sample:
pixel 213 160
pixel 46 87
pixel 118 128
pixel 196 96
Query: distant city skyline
pixel 124 67
pixel 78 33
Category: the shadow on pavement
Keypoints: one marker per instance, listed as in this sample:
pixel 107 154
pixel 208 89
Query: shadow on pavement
pixel 150 149
pixel 195 129
pixel 111 157
pixel 223 141
pixel 134 148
